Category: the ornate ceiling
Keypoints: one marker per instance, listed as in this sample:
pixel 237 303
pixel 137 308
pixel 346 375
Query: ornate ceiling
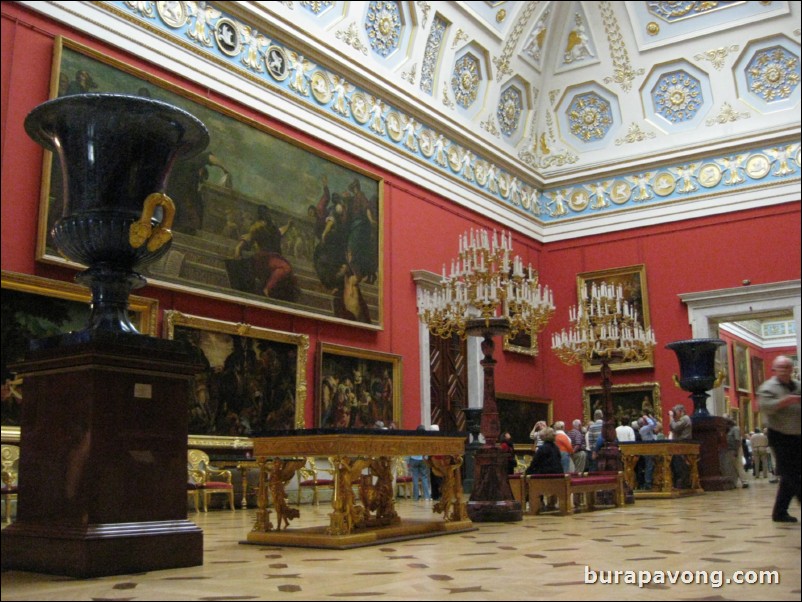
pixel 558 119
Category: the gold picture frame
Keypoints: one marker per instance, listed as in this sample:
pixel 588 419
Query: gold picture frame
pixel 630 401
pixel 633 282
pixel 519 413
pixel 524 343
pixel 47 308
pixel 255 379
pixel 251 182
pixel 743 378
pixel 353 389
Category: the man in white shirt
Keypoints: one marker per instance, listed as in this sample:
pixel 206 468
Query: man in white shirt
pixel 624 432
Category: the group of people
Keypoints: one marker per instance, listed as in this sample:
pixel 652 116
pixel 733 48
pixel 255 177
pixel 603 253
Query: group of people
pixel 558 451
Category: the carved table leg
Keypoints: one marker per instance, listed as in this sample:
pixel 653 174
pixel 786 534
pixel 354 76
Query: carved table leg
pixel 262 523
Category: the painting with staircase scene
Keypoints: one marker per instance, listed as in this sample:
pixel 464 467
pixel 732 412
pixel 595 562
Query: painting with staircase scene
pixel 260 218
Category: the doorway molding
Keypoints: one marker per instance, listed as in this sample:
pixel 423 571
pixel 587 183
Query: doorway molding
pixel 708 309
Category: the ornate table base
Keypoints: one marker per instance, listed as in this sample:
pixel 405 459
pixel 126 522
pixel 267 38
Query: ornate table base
pixel 354 524
pixel 662 477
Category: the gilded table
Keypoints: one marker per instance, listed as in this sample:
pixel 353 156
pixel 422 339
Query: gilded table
pixel 662 452
pixel 361 459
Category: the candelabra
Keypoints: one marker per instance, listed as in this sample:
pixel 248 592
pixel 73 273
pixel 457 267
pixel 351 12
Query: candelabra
pixel 488 292
pixel 604 327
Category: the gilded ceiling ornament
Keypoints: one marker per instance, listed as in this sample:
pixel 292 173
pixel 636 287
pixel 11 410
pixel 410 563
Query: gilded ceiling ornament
pixel 577 48
pixel 227 37
pixel 726 115
pixel 509 110
pixel 410 75
pixel 410 133
pixel 501 15
pixel 677 96
pixel 685 178
pixel 174 14
pixel 589 117
pixel 642 190
pixel 623 72
pixel 299 66
pixel 351 37
pixel 511 43
pixel 425 7
pixel 634 134
pixel 782 155
pixel 316 7
pixel 773 73
pixel 460 36
pixel 652 28
pixel 758 166
pixel 534 43
pixel 431 53
pixel 383 26
pixel 253 55
pixel 671 11
pixel 717 55
pixel 465 80
pixel 146 8
pixel 340 90
pixel 490 126
pixel 201 15
pixel 446 99
pixel 709 175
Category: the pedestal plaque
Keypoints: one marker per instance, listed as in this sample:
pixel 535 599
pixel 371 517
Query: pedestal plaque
pixel 102 473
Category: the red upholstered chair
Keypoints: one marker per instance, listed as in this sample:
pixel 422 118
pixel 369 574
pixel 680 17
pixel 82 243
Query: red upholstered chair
pixel 208 479
pixel 10 455
pixel 403 480
pixel 309 478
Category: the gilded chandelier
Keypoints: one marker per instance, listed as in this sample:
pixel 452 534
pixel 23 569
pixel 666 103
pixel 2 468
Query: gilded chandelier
pixel 603 326
pixel 486 283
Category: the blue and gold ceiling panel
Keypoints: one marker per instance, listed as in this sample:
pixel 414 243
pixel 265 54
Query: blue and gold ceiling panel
pixel 677 97
pixel 768 75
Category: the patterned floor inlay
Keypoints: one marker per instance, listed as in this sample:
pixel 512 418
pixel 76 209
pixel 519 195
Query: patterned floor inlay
pixel 550 557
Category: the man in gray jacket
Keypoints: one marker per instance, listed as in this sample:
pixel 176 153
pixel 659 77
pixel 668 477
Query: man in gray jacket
pixel 779 404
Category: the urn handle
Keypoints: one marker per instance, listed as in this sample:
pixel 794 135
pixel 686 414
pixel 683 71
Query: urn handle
pixel 719 379
pixel 676 381
pixel 142 230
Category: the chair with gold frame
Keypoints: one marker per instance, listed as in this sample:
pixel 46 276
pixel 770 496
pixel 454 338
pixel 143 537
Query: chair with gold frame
pixel 403 480
pixel 208 479
pixel 10 462
pixel 309 478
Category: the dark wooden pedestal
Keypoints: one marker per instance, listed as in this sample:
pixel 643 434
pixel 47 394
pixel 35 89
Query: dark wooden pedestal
pixel 491 499
pixel 711 433
pixel 102 474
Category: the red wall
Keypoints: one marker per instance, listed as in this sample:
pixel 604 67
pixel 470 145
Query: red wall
pixel 420 233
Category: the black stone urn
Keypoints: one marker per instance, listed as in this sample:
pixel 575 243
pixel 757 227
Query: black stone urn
pixel 697 369
pixel 115 153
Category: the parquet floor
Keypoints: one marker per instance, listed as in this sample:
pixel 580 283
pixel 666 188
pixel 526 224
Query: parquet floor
pixel 542 558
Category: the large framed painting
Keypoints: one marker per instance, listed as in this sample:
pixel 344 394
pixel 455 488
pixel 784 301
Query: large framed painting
pixel 632 280
pixel 523 342
pixel 630 401
pixel 356 387
pixel 518 414
pixel 254 378
pixel 33 308
pixel 261 218
pixel 758 372
pixel 743 382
